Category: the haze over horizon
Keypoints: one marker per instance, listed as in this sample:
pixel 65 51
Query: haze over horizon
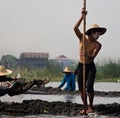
pixel 47 26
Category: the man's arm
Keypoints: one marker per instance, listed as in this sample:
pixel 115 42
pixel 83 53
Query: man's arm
pixel 95 51
pixel 62 83
pixel 73 82
pixel 78 23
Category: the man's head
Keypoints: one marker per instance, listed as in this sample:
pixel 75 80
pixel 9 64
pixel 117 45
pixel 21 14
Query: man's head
pixel 95 34
pixel 96 30
pixel 4 71
pixel 67 71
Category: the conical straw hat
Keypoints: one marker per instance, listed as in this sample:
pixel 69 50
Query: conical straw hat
pixel 96 27
pixel 4 71
pixel 67 70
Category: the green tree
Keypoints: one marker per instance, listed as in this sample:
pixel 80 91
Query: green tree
pixel 9 61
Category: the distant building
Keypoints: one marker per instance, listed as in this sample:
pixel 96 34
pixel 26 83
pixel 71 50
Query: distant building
pixel 63 61
pixel 33 59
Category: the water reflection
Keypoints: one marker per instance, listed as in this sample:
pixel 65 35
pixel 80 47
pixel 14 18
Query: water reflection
pixel 69 98
pixel 99 86
pixel 62 98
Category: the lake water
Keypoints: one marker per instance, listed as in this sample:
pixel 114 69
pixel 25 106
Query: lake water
pixel 101 86
pixel 98 86
pixel 71 98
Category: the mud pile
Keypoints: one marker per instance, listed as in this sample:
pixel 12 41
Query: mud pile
pixel 37 107
pixel 57 91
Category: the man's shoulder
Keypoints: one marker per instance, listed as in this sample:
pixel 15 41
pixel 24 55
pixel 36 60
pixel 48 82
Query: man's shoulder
pixel 96 43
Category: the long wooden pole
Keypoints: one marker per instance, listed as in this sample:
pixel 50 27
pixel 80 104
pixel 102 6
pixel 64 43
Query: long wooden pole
pixel 84 50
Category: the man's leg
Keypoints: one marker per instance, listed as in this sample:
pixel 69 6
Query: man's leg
pixel 84 100
pixel 91 98
pixel 80 86
pixel 90 90
pixel 83 97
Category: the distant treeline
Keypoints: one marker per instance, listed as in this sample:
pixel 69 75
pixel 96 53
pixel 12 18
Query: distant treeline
pixel 108 69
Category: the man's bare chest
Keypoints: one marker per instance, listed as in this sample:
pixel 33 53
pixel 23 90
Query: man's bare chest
pixel 88 46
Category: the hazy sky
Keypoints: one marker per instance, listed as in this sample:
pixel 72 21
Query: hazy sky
pixel 47 26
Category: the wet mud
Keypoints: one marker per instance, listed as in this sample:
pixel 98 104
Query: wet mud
pixel 37 107
pixel 57 91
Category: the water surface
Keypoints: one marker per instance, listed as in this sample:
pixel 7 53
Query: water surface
pixel 68 98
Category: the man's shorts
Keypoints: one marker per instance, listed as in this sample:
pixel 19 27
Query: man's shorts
pixel 90 72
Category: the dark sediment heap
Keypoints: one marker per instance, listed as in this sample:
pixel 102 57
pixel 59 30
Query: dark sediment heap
pixel 57 91
pixel 37 107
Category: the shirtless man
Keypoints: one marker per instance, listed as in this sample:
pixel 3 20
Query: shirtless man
pixel 87 56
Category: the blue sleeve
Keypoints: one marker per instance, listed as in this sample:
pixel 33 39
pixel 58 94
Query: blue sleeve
pixel 73 82
pixel 62 83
